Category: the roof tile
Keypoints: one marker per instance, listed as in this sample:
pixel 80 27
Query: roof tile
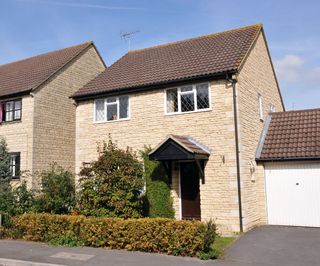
pixel 25 75
pixel 197 57
pixel 292 135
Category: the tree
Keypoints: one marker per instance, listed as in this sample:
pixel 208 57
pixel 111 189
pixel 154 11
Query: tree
pixel 57 193
pixel 112 185
pixel 4 161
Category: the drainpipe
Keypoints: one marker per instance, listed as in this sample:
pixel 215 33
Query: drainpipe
pixel 233 81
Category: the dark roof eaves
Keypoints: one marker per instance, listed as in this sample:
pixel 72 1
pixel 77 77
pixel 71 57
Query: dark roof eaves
pixel 15 94
pixel 158 85
pixel 281 159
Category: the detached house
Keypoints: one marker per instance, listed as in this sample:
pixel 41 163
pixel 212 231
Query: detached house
pixel 201 104
pixel 37 116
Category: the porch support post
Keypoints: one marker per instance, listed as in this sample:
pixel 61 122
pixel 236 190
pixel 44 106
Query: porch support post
pixel 201 170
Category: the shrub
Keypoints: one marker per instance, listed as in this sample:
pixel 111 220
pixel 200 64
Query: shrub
pixel 7 199
pixel 4 161
pixel 185 238
pixel 57 193
pixel 112 185
pixel 158 195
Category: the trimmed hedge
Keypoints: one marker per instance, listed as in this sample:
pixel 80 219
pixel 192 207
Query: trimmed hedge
pixel 184 238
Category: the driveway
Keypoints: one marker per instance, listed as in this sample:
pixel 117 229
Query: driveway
pixel 264 246
pixel 277 245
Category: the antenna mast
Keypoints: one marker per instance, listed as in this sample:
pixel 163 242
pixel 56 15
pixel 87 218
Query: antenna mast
pixel 127 36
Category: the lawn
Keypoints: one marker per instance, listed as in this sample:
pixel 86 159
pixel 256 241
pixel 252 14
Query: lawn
pixel 221 244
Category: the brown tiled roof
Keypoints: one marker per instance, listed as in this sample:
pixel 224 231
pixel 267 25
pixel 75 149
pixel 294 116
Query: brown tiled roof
pixel 190 144
pixel 292 135
pixel 25 75
pixel 187 143
pixel 198 57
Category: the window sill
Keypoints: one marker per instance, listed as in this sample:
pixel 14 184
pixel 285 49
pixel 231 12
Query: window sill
pixel 10 122
pixel 191 112
pixel 111 121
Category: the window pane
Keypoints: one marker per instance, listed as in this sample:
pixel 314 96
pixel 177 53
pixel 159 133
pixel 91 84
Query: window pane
pixel 202 96
pixel 112 112
pixel 186 89
pixel 13 165
pixel 17 105
pixel 17 115
pixel 172 101
pixel 187 102
pixel 124 106
pixel 100 112
pixel 9 106
pixel 111 100
pixel 9 116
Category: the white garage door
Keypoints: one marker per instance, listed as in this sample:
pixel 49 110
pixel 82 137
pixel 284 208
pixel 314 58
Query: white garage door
pixel 293 194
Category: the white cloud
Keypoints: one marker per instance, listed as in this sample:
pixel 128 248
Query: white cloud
pixel 289 68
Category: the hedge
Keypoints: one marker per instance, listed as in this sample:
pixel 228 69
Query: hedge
pixel 159 235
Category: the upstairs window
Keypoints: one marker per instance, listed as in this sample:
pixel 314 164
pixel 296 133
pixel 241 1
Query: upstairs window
pixel 111 109
pixel 11 110
pixel 260 107
pixel 189 98
pixel 14 164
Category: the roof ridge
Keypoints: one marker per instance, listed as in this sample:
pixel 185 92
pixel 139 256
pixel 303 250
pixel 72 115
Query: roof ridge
pixel 258 25
pixel 47 53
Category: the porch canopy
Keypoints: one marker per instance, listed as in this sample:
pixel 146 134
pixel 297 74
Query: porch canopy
pixel 180 148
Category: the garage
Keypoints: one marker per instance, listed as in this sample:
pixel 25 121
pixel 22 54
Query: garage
pixel 289 150
pixel 292 193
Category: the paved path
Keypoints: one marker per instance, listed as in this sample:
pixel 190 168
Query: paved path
pixel 264 246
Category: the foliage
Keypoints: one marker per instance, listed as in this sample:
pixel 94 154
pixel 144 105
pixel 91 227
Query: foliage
pixel 112 185
pixel 57 194
pixel 158 196
pixel 24 199
pixel 4 161
pixel 7 199
pixel 159 235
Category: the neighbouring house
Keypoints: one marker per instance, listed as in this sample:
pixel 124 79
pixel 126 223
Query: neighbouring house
pixel 37 116
pixel 289 149
pixel 201 104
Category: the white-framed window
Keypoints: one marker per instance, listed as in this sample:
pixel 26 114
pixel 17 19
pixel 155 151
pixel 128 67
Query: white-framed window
pixel 272 108
pixel 14 165
pixel 260 106
pixel 111 109
pixel 188 98
pixel 10 110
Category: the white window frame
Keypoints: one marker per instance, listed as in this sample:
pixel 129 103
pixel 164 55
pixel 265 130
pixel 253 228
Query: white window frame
pixel 179 93
pixel 260 102
pixel 105 109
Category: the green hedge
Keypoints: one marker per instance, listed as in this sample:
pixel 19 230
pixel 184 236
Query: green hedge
pixel 159 202
pixel 185 238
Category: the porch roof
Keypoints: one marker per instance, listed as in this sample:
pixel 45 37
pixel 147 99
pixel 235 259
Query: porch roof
pixel 176 147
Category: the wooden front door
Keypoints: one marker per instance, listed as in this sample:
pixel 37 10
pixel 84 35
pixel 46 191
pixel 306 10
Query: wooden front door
pixel 190 191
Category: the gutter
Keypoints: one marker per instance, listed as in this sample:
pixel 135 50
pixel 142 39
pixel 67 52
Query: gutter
pixel 233 81
pixel 154 86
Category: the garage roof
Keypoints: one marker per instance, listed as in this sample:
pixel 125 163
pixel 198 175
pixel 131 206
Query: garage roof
pixel 292 135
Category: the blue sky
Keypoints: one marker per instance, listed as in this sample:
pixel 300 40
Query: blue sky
pixel 30 27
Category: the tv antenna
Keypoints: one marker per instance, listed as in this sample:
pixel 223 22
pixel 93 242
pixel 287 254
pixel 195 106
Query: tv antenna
pixel 127 36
